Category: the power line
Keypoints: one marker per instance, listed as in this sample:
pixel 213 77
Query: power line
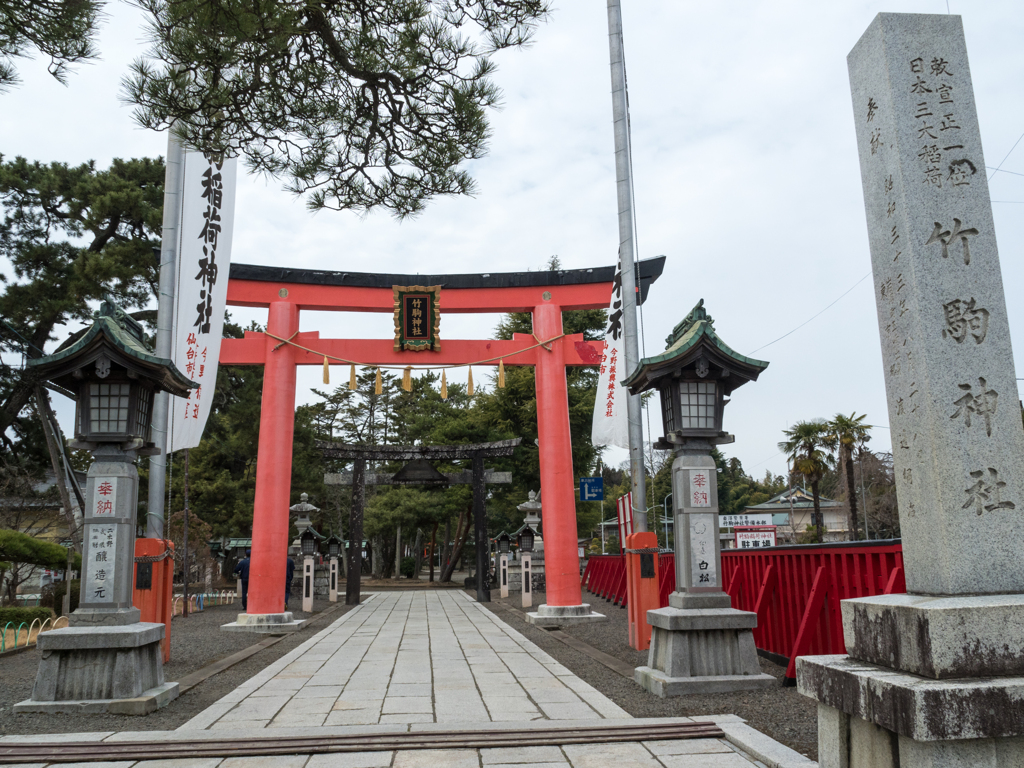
pixel 805 322
pixel 1000 166
pixel 1003 170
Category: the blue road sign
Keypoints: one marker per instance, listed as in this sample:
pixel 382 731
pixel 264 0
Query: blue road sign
pixel 591 489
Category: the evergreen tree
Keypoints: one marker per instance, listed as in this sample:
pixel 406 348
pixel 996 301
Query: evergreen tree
pixel 359 104
pixel 61 29
pixel 70 236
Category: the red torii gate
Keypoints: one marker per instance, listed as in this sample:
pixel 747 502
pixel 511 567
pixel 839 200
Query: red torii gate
pixel 285 292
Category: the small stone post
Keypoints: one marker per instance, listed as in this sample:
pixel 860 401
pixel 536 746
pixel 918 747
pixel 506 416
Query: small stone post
pixel 934 677
pixel 333 596
pixel 307 584
pixel 527 581
pixel 503 568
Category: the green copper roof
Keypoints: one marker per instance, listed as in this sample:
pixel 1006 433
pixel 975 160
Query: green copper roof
pixel 113 325
pixel 695 327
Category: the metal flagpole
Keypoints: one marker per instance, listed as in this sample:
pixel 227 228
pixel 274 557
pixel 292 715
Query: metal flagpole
pixel 164 331
pixel 626 260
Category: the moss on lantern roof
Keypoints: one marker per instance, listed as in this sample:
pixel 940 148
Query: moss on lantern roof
pixel 111 324
pixel 695 327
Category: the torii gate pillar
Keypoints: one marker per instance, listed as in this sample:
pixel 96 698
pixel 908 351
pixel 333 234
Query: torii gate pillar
pixel 273 477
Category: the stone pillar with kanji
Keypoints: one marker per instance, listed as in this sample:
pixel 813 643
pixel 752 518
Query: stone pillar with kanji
pixel 934 677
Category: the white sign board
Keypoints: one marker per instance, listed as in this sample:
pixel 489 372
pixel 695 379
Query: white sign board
pixel 610 424
pixel 101 554
pixel 700 488
pixel 105 497
pixel 731 521
pixel 754 538
pixel 204 259
pixel 703 563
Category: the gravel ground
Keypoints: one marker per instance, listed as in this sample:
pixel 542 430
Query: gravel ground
pixel 195 642
pixel 779 712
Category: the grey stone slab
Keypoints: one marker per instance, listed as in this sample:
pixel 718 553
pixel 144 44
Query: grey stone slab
pixel 701 619
pixel 687 747
pixel 410 717
pixel 99 764
pixel 434 758
pixel 941 307
pixel 394 705
pixel 660 684
pixel 510 755
pixel 129 636
pixel 351 760
pixel 764 748
pixel 277 761
pixel 626 755
pixel 719 760
pixel 353 717
pixel 181 762
pixel 938 637
pixel 912 706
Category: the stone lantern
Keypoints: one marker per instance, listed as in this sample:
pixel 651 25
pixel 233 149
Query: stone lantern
pixel 699 643
pixel 107 660
pixel 302 511
pixel 531 508
pixel 527 538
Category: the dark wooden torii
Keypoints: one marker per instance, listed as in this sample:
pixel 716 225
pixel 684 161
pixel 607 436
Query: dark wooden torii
pixel 359 454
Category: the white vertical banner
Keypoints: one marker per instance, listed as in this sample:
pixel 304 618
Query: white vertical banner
pixel 204 259
pixel 611 423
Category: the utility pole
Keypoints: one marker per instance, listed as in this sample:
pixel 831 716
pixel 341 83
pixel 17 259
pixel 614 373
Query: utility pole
pixel 164 330
pixel 624 179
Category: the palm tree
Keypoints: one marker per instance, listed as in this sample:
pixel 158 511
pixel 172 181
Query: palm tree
pixel 847 432
pixel 809 445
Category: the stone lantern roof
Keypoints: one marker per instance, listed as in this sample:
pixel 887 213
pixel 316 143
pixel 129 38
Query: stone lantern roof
pixel 119 337
pixel 692 342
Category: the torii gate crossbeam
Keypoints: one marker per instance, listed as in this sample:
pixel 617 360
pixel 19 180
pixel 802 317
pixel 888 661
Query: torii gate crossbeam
pixel 286 292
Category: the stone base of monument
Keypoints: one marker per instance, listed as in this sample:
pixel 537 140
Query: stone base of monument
pixel 563 615
pixel 265 623
pixel 873 715
pixel 936 681
pixel 699 644
pixel 97 669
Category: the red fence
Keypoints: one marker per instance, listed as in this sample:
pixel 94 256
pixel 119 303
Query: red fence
pixel 794 590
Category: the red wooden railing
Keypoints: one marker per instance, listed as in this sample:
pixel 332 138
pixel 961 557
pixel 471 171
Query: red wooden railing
pixel 794 590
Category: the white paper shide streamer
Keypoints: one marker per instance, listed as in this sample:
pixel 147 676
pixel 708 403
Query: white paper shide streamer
pixel 611 422
pixel 204 259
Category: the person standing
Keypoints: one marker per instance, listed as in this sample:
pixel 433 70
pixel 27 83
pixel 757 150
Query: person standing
pixel 242 570
pixel 289 571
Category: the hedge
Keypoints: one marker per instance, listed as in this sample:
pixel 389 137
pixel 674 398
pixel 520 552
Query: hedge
pixel 21 548
pixel 26 615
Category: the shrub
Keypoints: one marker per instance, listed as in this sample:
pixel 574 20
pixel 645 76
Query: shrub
pixel 53 596
pixel 408 567
pixel 26 615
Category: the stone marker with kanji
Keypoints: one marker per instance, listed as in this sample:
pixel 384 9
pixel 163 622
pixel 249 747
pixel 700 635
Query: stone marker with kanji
pixel 935 676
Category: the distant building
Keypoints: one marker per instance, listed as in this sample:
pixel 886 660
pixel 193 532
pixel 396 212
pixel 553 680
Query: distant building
pixel 834 513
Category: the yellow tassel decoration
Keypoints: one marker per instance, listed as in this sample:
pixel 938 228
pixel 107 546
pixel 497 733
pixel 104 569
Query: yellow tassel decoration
pixel 407 378
pixel 444 386
pixel 378 387
pixel 469 387
pixel 327 372
pixel 501 374
pixel 352 376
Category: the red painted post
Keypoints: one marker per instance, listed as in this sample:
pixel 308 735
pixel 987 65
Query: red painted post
pixel 273 470
pixel 561 557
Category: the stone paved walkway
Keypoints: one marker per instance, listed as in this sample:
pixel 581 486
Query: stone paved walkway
pixel 419 657
pixel 426 661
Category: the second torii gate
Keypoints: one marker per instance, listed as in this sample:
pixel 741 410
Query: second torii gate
pixel 285 292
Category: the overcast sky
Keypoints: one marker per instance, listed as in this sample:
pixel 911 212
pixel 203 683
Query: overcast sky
pixel 745 171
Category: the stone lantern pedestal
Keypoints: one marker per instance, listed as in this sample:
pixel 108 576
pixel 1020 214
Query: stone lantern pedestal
pixel 699 643
pixel 106 660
